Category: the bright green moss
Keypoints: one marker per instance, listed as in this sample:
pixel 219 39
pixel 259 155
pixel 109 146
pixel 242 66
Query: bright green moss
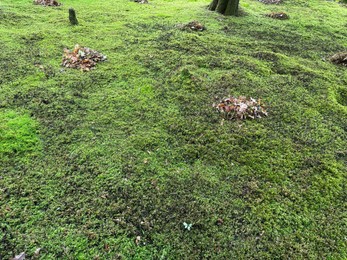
pixel 18 134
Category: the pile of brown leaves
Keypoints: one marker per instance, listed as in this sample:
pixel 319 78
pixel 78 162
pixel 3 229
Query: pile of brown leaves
pixel 81 58
pixel 47 2
pixel 241 108
pixel 280 15
pixel 276 2
pixel 194 26
pixel 339 58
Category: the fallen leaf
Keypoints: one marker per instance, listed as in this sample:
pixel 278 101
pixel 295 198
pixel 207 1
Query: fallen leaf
pixel 37 252
pixel 137 240
pixel 21 256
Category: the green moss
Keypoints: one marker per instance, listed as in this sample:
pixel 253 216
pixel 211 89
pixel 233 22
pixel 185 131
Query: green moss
pixel 342 96
pixel 134 148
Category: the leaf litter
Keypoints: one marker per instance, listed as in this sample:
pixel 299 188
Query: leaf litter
pixel 279 15
pixel 47 2
pixel 339 58
pixel 271 2
pixel 241 108
pixel 82 58
pixel 141 1
pixel 192 26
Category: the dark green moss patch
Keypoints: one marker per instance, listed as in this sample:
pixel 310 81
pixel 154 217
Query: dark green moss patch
pixel 342 96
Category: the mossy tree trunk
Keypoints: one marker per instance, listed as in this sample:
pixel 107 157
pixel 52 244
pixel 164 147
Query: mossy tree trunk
pixel 226 7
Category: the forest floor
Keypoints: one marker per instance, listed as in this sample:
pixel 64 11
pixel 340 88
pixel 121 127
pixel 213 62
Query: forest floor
pixel 131 161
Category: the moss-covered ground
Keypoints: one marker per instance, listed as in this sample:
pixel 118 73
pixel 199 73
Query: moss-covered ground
pixel 109 164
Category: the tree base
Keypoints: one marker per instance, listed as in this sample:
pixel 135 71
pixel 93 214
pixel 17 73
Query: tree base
pixel 225 7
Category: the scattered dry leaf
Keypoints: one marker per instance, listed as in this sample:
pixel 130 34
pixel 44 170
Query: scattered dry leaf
pixel 241 108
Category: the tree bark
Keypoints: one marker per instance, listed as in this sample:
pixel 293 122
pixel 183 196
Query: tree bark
pixel 221 6
pixel 226 7
pixel 232 8
pixel 213 5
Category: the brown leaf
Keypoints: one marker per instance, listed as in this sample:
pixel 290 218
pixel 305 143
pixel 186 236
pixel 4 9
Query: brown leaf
pixel 21 256
pixel 81 58
pixel 37 252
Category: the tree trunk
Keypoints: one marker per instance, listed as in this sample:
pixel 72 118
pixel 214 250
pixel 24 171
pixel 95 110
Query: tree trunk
pixel 213 5
pixel 72 17
pixel 226 7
